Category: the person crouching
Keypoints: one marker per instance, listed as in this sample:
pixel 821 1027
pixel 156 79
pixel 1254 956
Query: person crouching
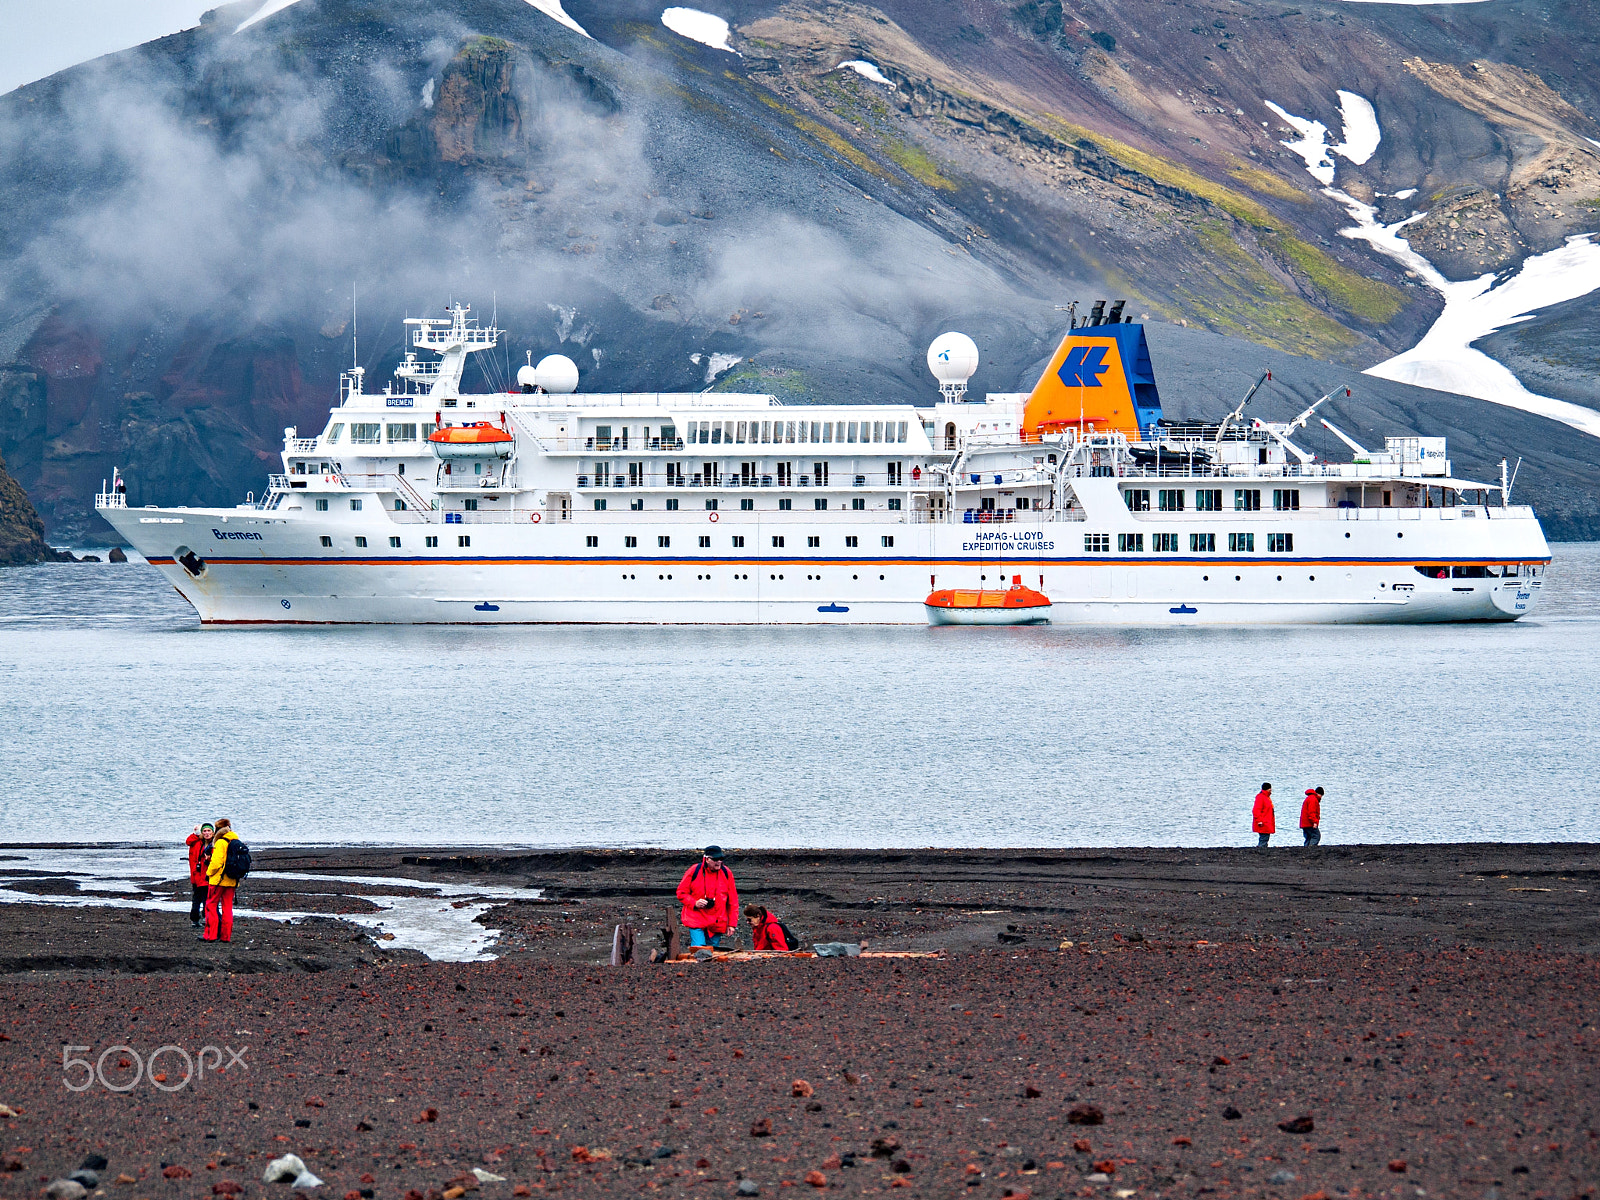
pixel 219 903
pixel 199 863
pixel 766 931
pixel 710 899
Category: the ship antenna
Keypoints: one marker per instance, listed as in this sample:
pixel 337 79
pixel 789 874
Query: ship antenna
pixel 354 360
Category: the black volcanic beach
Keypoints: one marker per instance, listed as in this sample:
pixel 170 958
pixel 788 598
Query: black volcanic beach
pixel 1428 1009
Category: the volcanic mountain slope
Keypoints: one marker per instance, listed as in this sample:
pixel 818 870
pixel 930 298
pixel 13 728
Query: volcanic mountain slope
pixel 191 220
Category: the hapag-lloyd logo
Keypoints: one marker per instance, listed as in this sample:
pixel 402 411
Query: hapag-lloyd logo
pixel 235 535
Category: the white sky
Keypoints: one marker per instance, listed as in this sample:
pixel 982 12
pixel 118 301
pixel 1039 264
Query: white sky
pixel 45 36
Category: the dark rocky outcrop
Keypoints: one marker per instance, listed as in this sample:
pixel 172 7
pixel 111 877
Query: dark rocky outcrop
pixel 21 532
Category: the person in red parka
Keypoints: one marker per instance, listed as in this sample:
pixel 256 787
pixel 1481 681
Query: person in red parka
pixel 1311 817
pixel 1262 820
pixel 199 859
pixel 709 898
pixel 766 931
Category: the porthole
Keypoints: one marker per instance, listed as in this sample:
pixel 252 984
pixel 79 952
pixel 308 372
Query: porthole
pixel 1399 535
pixel 1313 578
pixel 780 576
pixel 855 577
pixel 880 577
pixel 1347 534
pixel 1280 578
pixel 1236 579
pixel 1205 579
pixel 660 576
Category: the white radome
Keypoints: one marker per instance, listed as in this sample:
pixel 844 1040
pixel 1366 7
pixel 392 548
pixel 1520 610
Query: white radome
pixel 527 376
pixel 953 357
pixel 557 373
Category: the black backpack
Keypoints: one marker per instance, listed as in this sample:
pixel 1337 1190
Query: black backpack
pixel 789 937
pixel 237 865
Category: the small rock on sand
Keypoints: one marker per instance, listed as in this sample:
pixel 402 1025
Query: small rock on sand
pixel 66 1189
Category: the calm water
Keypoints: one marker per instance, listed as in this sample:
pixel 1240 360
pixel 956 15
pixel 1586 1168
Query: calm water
pixel 122 719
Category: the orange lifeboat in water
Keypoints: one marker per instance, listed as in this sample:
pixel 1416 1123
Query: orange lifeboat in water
pixel 1016 605
pixel 476 439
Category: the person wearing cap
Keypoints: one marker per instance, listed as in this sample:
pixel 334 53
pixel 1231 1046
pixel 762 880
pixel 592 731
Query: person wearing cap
pixel 1263 822
pixel 710 899
pixel 199 862
pixel 1311 817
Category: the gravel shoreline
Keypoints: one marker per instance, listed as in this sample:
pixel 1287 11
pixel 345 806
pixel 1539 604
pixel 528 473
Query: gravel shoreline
pixel 1430 1009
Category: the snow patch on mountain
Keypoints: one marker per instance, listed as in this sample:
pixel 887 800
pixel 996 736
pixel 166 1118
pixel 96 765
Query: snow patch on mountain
pixel 1445 358
pixel 553 10
pixel 268 9
pixel 867 70
pixel 706 28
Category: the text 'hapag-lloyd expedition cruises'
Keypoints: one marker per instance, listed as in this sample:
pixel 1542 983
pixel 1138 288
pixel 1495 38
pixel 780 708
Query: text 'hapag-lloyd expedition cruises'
pixel 1074 503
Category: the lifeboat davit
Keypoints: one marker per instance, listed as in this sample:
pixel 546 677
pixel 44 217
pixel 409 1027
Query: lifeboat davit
pixel 1016 605
pixel 476 439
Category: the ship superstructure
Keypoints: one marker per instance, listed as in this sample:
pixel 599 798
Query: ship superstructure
pixel 422 504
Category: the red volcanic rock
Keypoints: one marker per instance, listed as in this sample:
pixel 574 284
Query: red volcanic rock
pixel 314 1102
pixel 427 1116
pixel 1082 1146
pixel 225 1187
pixel 1106 1166
pixel 177 1172
pixel 1398 1166
pixel 1085 1114
pixel 801 1088
pixel 1298 1125
pixel 816 1179
pixel 761 1127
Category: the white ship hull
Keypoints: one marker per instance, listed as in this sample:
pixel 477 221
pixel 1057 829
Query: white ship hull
pixel 261 569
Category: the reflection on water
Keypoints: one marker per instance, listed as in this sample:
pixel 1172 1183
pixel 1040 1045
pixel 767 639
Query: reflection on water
pixel 124 720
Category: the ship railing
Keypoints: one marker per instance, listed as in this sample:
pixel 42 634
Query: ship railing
pixel 835 481
pixel 111 500
pixel 301 445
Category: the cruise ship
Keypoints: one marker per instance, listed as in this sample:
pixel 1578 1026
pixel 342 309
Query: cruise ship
pixel 423 504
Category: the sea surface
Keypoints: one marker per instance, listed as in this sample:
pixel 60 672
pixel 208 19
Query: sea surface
pixel 122 720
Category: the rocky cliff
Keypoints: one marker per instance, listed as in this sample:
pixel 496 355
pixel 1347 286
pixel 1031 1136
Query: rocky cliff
pixel 192 220
pixel 21 531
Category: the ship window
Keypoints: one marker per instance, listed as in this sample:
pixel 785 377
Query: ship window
pixel 325 540
pixel 858 503
pixel 1169 499
pixel 777 543
pixel 1247 500
pixel 1202 543
pixel 600 505
pixel 630 543
pixel 322 504
pixel 602 437
pixel 851 541
pixel 740 431
pixel 1164 543
pixel 450 403
pixel 477 468
pixel 592 541
pixel 429 429
pixel 364 434
pixel 431 542
pixel 1097 543
pixel 1388 499
pixel 1280 543
pixel 355 506
pixel 1286 499
pixel 877 431
pixel 1469 572
pixel 738 541
pixel 663 542
pixel 1129 543
pixel 851 430
pixel 1242 543
pixel 470 504
pixel 334 431
pixel 464 540
pixel 814 543
pixel 894 503
pixel 785 504
pixel 705 541
pixel 747 505
pixel 900 431
pixel 711 505
pixel 399 505
pixel 672 504
pixel 888 541
pixel 716 434
pixel 1433 572
pixel 819 504
pixel 827 432
pixel 807 432
pixel 1137 499
pixel 401 433
pixel 1208 499
pixel 394 543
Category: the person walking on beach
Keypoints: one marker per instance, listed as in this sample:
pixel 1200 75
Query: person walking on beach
pixel 199 863
pixel 219 903
pixel 1262 820
pixel 766 931
pixel 710 899
pixel 1311 817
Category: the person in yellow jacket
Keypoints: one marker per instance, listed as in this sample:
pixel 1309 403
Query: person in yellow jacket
pixel 219 901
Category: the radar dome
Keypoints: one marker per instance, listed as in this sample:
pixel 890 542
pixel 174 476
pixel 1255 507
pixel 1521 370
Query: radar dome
pixel 557 373
pixel 527 378
pixel 952 358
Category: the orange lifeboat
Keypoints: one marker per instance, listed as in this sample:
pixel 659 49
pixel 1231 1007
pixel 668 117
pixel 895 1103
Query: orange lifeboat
pixel 1016 605
pixel 476 439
